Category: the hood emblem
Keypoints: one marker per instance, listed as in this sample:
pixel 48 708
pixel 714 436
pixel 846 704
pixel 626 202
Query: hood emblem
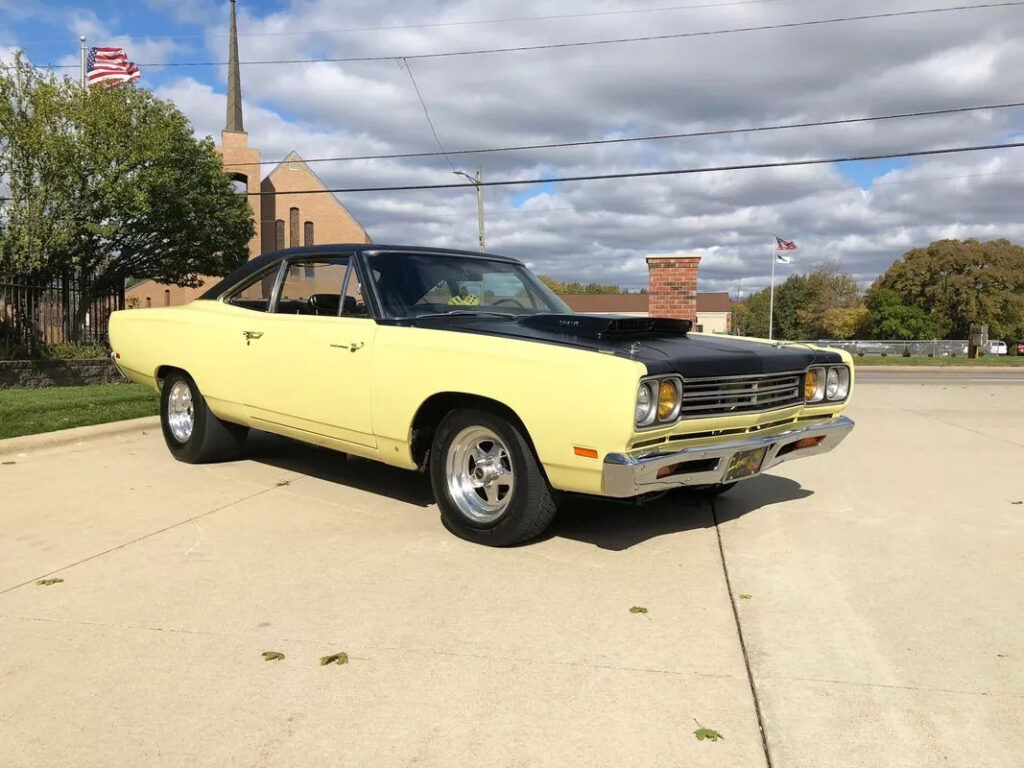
pixel 634 347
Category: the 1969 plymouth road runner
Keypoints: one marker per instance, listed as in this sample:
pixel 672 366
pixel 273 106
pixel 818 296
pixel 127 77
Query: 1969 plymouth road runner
pixel 466 366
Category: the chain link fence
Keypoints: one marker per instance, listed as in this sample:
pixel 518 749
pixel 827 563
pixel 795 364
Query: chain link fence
pixel 912 348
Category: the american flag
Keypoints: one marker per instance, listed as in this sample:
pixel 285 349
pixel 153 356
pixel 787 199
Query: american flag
pixel 110 65
pixel 783 245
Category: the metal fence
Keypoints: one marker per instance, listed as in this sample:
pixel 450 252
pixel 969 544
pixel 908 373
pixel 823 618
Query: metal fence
pixel 67 311
pixel 916 348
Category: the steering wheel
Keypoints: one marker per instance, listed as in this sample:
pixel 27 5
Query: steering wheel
pixel 513 302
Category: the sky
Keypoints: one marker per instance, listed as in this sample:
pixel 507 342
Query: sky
pixel 861 215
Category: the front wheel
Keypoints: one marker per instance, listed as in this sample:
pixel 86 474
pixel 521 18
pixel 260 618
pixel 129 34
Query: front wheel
pixel 488 483
pixel 192 433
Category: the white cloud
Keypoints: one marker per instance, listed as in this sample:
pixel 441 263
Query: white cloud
pixel 602 230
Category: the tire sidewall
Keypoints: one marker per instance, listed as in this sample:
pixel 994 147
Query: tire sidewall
pixel 189 450
pixel 525 494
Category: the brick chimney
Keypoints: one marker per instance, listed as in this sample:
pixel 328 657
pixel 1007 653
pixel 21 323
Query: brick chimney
pixel 673 285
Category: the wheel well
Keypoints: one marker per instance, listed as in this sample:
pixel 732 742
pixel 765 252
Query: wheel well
pixel 163 370
pixel 436 407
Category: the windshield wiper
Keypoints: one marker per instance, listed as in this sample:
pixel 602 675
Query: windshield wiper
pixel 463 312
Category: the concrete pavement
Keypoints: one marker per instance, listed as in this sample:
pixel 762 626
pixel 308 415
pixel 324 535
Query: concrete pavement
pixel 882 623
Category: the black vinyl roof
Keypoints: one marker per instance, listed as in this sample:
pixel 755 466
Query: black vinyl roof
pixel 336 249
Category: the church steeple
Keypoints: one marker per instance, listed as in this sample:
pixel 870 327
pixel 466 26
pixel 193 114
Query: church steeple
pixel 234 119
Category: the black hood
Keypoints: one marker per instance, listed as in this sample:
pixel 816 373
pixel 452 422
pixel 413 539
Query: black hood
pixel 662 344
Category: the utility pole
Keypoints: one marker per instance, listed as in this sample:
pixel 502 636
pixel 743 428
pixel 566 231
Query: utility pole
pixel 478 182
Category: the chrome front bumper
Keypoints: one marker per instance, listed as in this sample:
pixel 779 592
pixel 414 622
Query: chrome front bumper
pixel 626 475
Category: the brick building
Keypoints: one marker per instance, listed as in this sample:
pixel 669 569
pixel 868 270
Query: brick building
pixel 280 220
pixel 672 292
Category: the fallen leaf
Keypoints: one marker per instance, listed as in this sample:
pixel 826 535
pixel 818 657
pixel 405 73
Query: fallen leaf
pixel 283 483
pixel 272 655
pixel 745 597
pixel 6 463
pixel 48 582
pixel 708 733
pixel 334 658
pixel 638 609
pixel 1018 502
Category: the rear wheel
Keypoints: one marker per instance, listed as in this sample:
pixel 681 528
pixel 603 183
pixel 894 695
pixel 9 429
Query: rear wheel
pixel 192 433
pixel 488 484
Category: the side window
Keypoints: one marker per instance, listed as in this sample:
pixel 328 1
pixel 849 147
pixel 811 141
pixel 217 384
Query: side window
pixel 255 293
pixel 313 286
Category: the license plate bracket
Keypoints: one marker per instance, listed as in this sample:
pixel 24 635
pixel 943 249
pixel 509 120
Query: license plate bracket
pixel 745 464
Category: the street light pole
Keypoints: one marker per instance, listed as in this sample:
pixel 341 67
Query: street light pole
pixel 477 182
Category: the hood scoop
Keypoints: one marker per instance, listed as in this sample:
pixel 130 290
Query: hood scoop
pixel 608 326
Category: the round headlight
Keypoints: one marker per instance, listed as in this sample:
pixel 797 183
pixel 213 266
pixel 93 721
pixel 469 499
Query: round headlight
pixel 814 385
pixel 668 399
pixel 644 404
pixel 837 385
pixel 832 383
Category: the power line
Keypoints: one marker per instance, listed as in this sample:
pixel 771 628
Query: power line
pixel 586 43
pixel 466 23
pixel 405 64
pixel 649 174
pixel 655 137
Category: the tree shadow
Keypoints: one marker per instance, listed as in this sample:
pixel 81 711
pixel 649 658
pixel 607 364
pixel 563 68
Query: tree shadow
pixel 620 525
pixel 334 467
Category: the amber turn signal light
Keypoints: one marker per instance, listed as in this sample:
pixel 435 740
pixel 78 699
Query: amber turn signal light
pixel 587 453
pixel 668 395
pixel 808 442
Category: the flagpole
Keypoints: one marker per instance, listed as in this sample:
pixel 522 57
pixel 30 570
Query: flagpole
pixel 83 57
pixel 771 299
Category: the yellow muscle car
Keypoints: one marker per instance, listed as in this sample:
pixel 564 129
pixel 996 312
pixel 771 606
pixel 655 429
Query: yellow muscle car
pixel 466 366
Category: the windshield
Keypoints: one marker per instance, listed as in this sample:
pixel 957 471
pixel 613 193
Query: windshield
pixel 416 285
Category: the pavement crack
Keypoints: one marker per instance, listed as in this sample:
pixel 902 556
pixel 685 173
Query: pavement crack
pixel 743 643
pixel 178 524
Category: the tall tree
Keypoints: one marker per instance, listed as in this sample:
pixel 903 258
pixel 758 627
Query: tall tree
pixel 110 184
pixel 957 283
pixel 806 306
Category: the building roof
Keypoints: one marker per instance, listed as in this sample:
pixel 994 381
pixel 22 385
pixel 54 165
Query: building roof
pixel 638 302
pixel 714 302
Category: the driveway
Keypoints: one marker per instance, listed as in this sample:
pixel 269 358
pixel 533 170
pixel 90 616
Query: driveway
pixel 863 607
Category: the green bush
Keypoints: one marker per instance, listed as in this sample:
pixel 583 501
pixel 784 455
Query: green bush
pixel 72 351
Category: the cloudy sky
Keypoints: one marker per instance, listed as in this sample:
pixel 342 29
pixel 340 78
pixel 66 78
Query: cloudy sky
pixel 862 215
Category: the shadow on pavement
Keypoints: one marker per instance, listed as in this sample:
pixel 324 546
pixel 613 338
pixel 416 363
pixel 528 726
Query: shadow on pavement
pixel 619 525
pixel 323 464
pixel 611 525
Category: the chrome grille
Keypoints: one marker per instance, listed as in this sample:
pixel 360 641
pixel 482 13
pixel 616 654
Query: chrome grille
pixel 723 395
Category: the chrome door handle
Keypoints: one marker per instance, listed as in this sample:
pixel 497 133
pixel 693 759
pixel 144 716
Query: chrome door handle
pixel 250 335
pixel 350 347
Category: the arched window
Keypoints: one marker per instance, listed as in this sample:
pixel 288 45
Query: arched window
pixel 279 234
pixel 293 227
pixel 307 239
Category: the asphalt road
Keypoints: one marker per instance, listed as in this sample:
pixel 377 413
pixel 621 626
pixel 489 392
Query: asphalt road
pixel 861 608
pixel 941 376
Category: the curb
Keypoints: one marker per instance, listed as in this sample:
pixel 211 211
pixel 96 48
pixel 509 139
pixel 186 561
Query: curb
pixel 938 368
pixel 76 434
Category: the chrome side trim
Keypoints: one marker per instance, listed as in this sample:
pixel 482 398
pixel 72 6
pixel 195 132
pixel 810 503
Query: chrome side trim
pixel 628 475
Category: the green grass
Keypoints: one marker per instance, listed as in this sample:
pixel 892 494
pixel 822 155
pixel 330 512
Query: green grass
pixel 1004 361
pixel 31 411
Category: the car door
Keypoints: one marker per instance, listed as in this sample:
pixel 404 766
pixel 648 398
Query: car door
pixel 309 361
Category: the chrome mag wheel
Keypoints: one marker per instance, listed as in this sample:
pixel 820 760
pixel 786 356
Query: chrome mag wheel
pixel 478 471
pixel 180 411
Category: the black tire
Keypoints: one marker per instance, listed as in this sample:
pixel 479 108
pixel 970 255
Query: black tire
pixel 531 505
pixel 211 439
